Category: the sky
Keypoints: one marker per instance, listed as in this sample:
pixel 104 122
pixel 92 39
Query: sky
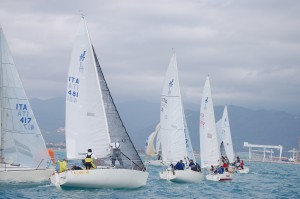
pixel 250 49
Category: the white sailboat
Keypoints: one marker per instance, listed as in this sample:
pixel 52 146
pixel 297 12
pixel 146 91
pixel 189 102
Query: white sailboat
pixel 225 141
pixel 175 140
pixel 224 136
pixel 23 153
pixel 209 147
pixel 93 122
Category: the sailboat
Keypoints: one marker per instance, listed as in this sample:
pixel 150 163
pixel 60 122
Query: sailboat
pixel 209 147
pixel 224 137
pixel 153 148
pixel 23 153
pixel 93 122
pixel 225 141
pixel 175 140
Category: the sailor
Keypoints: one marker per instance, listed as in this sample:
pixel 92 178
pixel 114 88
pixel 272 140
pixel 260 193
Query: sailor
pixel 62 165
pixel 242 164
pixel 88 161
pixel 192 164
pixel 116 153
pixel 75 167
pixel 179 166
pixel 220 170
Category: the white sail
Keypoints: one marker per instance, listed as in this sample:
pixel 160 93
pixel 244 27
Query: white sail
pixel 172 117
pixel 153 146
pixel 86 122
pixel 150 147
pixel 209 149
pixel 224 135
pixel 22 143
pixel 188 143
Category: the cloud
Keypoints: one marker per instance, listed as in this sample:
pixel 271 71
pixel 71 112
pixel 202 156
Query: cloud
pixel 250 49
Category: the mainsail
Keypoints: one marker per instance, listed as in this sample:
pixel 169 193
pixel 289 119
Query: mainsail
pixel 92 120
pixel 21 140
pixel 209 149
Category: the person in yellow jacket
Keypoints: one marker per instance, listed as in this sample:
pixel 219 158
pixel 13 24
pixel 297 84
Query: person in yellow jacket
pixel 62 165
pixel 88 161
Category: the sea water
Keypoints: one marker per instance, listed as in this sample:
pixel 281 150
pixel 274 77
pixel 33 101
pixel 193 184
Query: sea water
pixel 265 180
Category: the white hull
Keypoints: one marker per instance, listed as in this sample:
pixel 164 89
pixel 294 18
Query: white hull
pixel 245 170
pixel 25 174
pixel 219 177
pixel 100 178
pixel 187 176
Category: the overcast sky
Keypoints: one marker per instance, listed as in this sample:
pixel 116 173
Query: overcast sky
pixel 250 49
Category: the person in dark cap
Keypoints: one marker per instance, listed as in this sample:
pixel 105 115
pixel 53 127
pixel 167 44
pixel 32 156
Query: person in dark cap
pixel 88 161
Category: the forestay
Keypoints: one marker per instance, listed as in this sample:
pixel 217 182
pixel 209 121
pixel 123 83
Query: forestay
pixel 21 140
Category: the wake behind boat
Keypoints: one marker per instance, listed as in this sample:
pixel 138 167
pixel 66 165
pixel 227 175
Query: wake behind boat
pixel 209 147
pixel 23 153
pixel 93 122
pixel 174 135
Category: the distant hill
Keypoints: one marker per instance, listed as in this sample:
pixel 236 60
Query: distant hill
pixel 141 117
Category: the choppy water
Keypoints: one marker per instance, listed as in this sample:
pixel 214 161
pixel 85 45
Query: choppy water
pixel 265 180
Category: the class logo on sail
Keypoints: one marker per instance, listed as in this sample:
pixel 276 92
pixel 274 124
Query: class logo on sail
pixel 206 101
pixel 171 83
pixel 81 60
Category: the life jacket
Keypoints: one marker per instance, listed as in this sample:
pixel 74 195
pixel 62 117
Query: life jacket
pixel 89 159
pixel 63 166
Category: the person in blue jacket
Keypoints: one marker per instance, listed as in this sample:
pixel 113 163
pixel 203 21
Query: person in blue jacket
pixel 179 166
pixel 220 170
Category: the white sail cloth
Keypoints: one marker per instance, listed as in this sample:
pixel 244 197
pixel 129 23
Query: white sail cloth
pixel 173 133
pixel 21 140
pixel 209 149
pixel 224 135
pixel 86 122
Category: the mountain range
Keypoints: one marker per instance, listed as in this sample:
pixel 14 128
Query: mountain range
pixel 140 118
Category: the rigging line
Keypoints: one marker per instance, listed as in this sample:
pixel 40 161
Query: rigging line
pixel 131 160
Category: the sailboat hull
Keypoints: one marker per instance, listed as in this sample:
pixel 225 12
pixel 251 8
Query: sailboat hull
pixel 226 176
pixel 101 178
pixel 183 176
pixel 245 170
pixel 25 174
